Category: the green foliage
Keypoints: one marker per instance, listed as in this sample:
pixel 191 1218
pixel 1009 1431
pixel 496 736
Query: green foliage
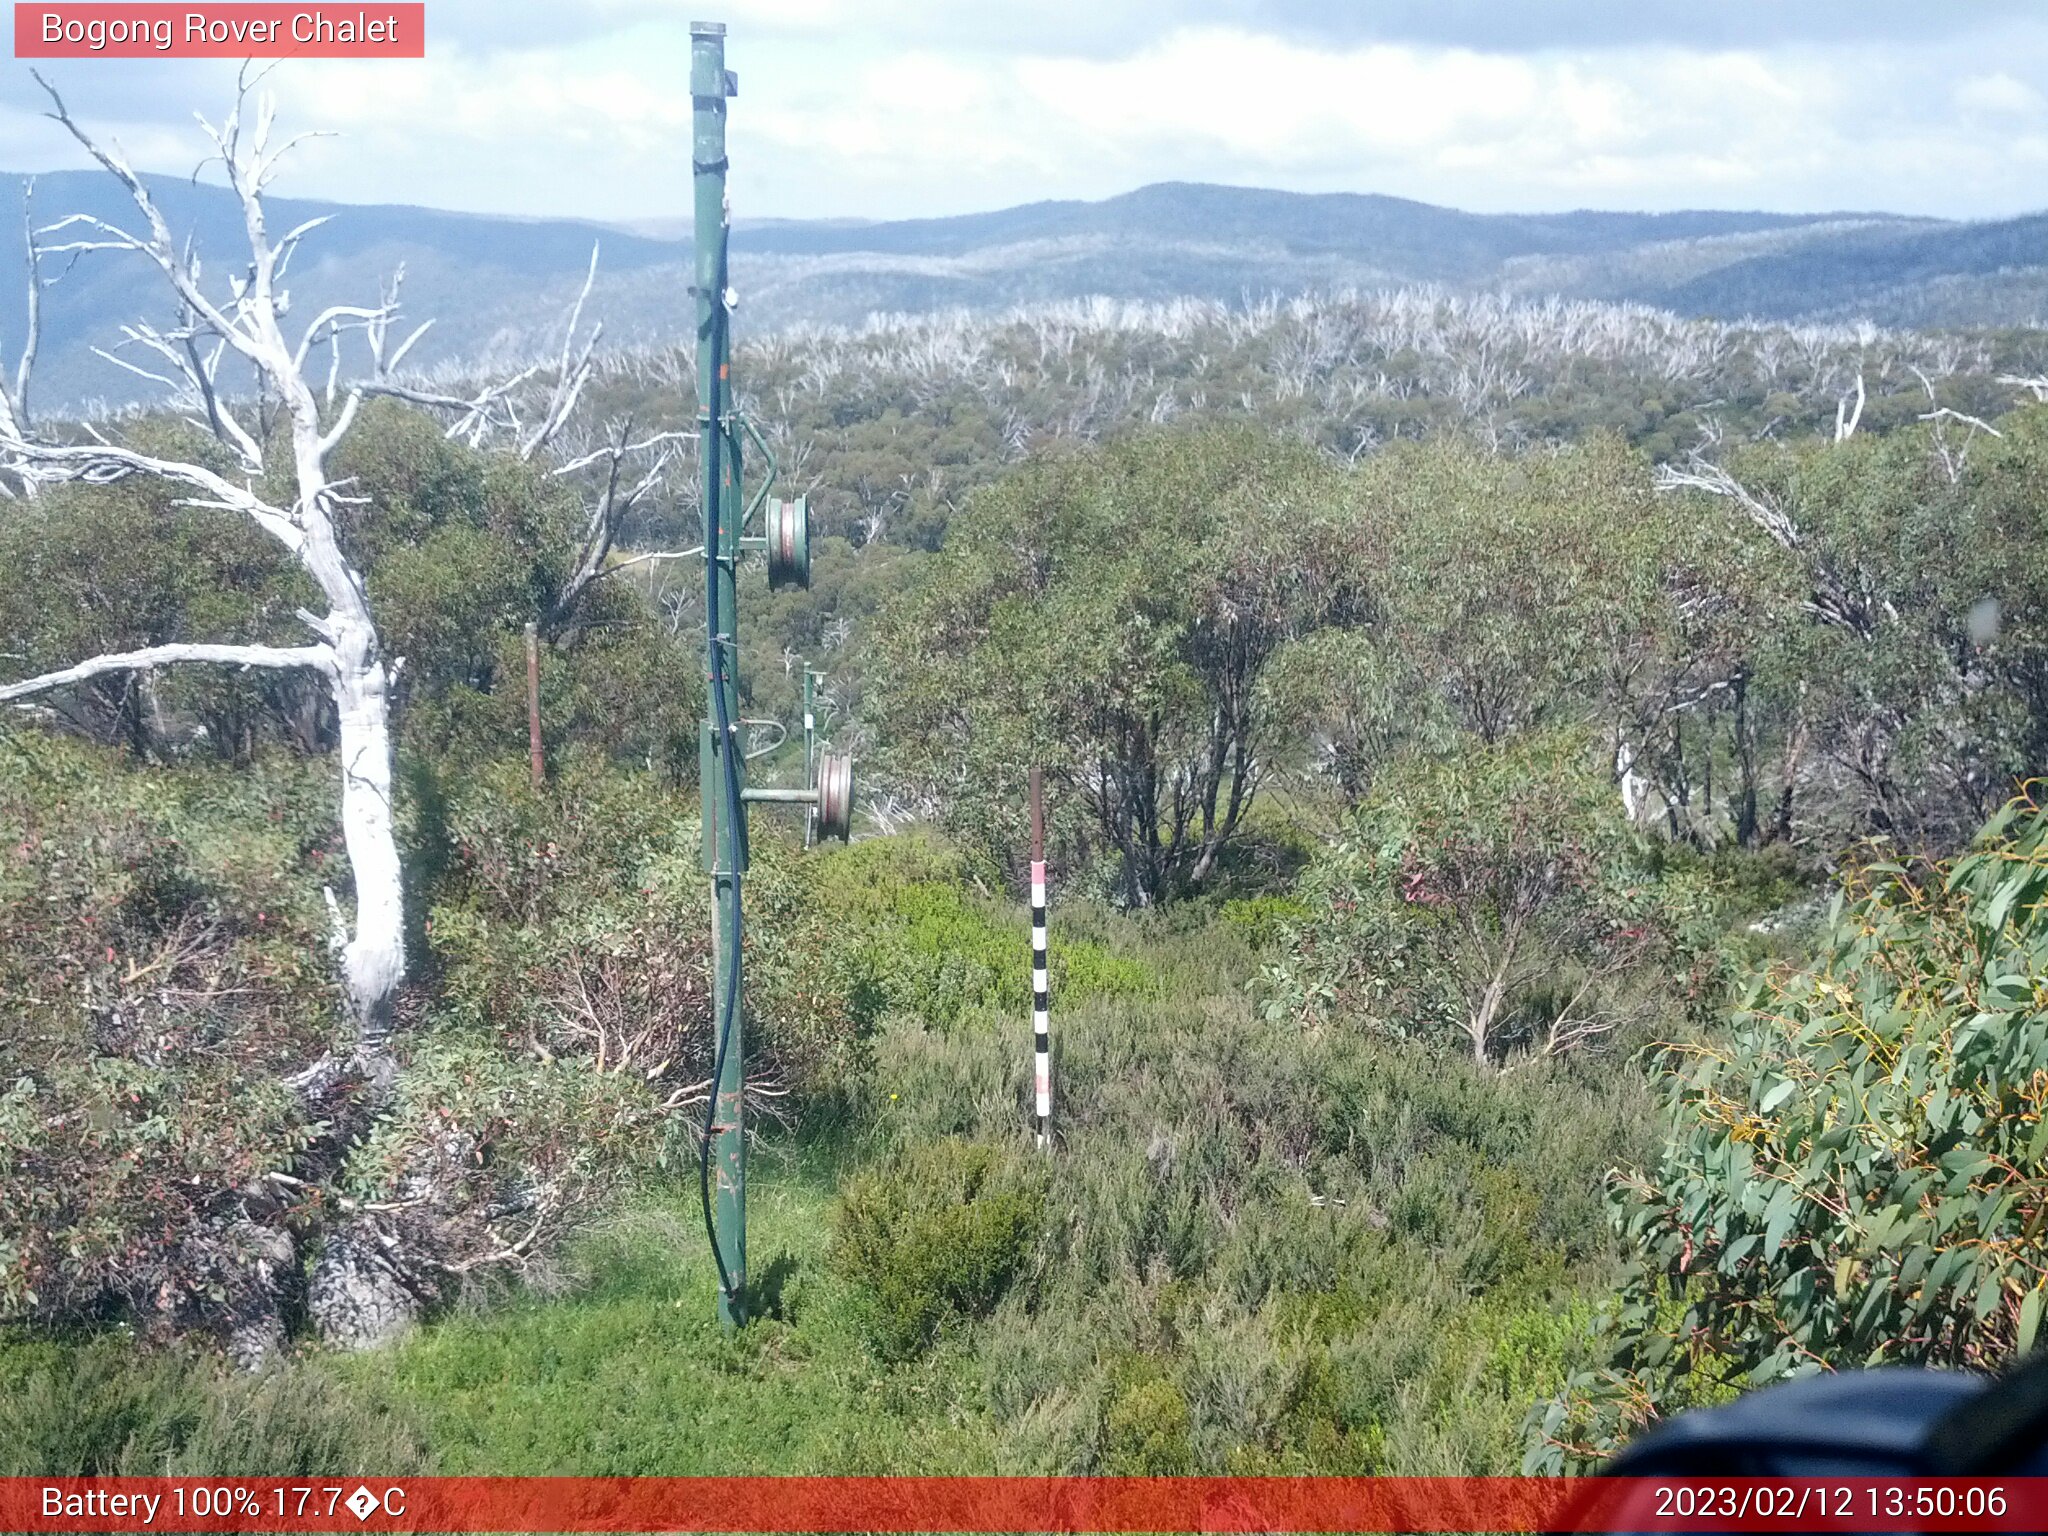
pixel 486 1158
pixel 1495 898
pixel 102 1408
pixel 935 1234
pixel 1159 1296
pixel 160 970
pixel 1855 1175
pixel 1259 1248
pixel 462 550
pixel 913 941
pixel 1108 615
pixel 1265 920
pixel 1346 703
pixel 571 940
pixel 1904 629
pixel 625 1371
pixel 1185 1244
pixel 89 569
pixel 1145 1428
pixel 1514 582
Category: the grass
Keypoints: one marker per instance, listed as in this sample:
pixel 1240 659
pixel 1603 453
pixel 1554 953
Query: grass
pixel 1259 1250
pixel 631 1375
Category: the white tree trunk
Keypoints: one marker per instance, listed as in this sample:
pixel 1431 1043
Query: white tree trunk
pixel 373 948
pixel 373 962
pixel 1635 789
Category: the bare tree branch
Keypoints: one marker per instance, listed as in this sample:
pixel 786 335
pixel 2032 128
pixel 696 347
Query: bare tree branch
pixel 611 508
pixel 1699 473
pixel 160 248
pixel 1834 600
pixel 319 657
pixel 569 377
pixel 650 557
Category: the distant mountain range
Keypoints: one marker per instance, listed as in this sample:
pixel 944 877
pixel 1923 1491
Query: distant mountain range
pixel 498 286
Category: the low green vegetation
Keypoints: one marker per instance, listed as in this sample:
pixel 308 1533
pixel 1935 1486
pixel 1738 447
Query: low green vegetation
pixel 1254 1248
pixel 1853 1173
pixel 1459 1066
pixel 1497 903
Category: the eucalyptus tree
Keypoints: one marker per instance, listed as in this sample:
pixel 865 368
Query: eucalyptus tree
pixel 1109 614
pixel 1903 634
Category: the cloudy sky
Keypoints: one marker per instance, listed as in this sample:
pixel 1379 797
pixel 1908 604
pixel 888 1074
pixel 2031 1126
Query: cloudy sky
pixel 895 108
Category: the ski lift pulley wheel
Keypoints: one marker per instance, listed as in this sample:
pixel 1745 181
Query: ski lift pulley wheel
pixel 835 796
pixel 789 544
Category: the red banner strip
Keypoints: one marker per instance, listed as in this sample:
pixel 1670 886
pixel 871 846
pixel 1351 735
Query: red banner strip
pixel 375 30
pixel 1053 1504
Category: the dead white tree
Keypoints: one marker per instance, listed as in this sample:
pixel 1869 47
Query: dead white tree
pixel 235 374
pixel 14 407
pixel 1847 418
pixel 1954 458
pixel 246 325
pixel 613 502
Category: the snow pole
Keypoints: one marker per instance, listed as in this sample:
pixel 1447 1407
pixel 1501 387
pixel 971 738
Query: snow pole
pixel 1041 979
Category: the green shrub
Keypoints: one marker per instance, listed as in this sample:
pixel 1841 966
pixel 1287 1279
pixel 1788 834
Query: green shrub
pixel 106 1408
pixel 161 967
pixel 1358 1335
pixel 917 942
pixel 1265 921
pixel 1494 902
pixel 935 1234
pixel 1145 1430
pixel 1857 1175
pixel 582 903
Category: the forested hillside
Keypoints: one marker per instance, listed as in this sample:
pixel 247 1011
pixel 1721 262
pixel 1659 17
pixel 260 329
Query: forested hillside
pixel 493 286
pixel 1548 913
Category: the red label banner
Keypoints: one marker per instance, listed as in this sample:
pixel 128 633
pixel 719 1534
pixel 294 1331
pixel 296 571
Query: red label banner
pixel 216 31
pixel 1052 1504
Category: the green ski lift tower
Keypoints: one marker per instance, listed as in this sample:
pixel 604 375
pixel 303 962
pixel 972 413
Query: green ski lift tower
pixel 722 432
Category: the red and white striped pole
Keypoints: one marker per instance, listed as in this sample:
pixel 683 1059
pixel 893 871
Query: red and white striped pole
pixel 1041 980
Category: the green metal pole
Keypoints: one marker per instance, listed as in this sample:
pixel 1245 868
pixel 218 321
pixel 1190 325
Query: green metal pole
pixel 724 836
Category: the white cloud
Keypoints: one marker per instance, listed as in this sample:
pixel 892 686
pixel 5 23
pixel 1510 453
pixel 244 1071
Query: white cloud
pixel 892 108
pixel 1999 95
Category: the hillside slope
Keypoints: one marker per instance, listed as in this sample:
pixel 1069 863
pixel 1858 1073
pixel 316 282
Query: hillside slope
pixel 497 287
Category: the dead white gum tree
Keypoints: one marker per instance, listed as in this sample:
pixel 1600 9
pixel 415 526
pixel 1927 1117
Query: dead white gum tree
pixel 232 370
pixel 237 338
pixel 243 327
